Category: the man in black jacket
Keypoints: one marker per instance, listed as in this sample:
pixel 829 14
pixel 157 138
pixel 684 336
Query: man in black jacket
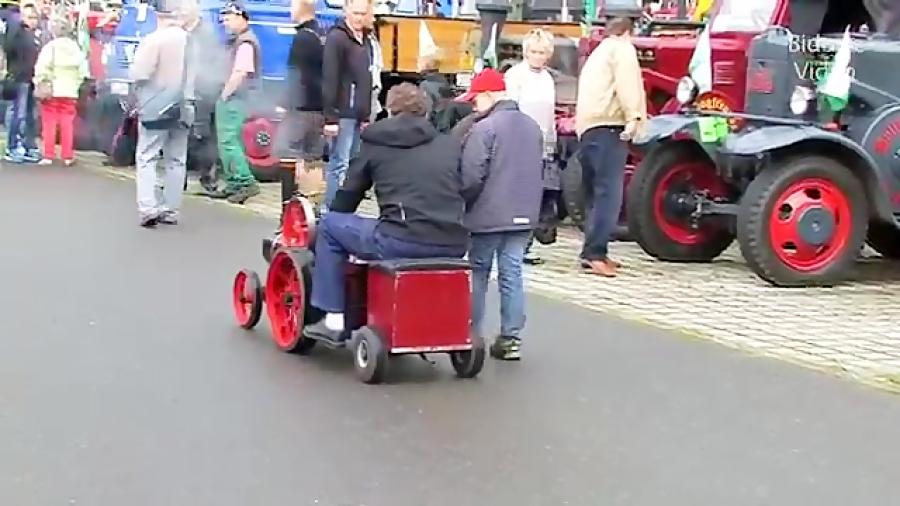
pixel 346 90
pixel 22 46
pixel 304 103
pixel 415 172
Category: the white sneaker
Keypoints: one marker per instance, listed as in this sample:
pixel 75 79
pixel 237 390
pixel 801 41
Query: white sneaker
pixel 45 161
pixel 68 163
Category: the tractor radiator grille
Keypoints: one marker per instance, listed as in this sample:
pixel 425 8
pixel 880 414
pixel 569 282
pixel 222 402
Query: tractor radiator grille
pixel 724 73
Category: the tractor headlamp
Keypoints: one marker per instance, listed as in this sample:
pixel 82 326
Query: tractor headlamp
pixel 686 91
pixel 800 99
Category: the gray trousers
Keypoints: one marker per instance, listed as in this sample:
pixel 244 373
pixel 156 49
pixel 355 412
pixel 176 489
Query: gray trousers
pixel 171 146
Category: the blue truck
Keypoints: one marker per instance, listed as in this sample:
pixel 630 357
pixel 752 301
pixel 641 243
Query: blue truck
pixel 110 113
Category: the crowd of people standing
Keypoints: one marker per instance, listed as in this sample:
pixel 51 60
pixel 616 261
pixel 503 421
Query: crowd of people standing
pixel 448 183
pixel 45 67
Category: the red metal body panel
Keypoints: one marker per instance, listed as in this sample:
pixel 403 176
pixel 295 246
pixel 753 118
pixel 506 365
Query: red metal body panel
pixel 355 294
pixel 420 311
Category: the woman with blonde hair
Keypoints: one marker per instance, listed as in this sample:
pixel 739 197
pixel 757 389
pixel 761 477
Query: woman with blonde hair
pixel 531 85
pixel 60 69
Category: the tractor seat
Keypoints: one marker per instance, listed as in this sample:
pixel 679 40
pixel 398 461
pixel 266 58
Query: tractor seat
pixel 413 264
pixel 420 264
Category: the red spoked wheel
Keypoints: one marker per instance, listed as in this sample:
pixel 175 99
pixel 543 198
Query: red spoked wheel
pixel 803 222
pixel 288 286
pixel 247 298
pixel 259 134
pixel 662 198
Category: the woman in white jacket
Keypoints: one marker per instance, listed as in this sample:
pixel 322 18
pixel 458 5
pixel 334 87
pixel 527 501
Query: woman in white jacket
pixel 532 86
pixel 60 70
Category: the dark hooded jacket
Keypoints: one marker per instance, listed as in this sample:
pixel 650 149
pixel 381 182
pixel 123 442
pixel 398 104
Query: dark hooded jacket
pixel 22 46
pixel 415 172
pixel 305 68
pixel 346 79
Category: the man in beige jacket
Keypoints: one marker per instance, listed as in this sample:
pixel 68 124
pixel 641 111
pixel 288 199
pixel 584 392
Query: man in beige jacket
pixel 611 108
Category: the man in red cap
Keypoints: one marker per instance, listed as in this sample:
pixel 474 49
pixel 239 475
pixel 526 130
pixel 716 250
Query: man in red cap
pixel 502 174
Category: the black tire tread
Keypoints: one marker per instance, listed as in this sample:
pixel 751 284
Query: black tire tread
pixel 642 222
pixel 753 232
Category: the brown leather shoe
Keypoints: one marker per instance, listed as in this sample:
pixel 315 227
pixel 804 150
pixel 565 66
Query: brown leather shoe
pixel 603 268
pixel 586 264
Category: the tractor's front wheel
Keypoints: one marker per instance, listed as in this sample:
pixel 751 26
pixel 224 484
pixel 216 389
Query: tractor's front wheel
pixel 662 198
pixel 803 222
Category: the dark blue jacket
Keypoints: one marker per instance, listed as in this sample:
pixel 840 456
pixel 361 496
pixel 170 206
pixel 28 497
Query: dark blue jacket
pixel 502 171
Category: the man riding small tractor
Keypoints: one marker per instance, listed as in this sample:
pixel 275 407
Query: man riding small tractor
pixel 804 177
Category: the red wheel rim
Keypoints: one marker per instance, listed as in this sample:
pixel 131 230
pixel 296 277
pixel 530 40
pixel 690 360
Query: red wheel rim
pixel 286 300
pixel 258 135
pixel 682 180
pixel 810 224
pixel 243 297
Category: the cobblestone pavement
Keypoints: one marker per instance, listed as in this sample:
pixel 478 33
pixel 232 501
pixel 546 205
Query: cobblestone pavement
pixel 851 330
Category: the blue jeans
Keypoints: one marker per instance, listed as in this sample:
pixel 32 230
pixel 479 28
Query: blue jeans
pixel 22 130
pixel 343 148
pixel 342 234
pixel 509 248
pixel 602 156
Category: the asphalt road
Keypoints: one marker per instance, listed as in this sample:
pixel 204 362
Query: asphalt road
pixel 123 381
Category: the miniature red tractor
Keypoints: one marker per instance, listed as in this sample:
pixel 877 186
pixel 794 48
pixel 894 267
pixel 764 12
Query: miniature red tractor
pixel 394 307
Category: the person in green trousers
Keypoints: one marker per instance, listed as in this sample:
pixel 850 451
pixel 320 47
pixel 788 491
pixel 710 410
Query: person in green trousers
pixel 240 184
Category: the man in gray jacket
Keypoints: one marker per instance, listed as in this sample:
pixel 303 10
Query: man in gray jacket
pixel 502 166
pixel 164 114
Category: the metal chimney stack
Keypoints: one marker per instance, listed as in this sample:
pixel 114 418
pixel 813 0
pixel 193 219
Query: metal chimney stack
pixel 491 13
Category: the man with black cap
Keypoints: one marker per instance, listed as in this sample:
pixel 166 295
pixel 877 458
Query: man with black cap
pixel 240 88
pixel 160 72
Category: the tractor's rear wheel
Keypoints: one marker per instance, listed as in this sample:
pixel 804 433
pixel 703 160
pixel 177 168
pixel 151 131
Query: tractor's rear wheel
pixel 803 222
pixel 660 208
pixel 885 239
pixel 572 190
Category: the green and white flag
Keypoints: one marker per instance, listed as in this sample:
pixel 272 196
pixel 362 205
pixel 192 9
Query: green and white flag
pixel 700 67
pixel 835 86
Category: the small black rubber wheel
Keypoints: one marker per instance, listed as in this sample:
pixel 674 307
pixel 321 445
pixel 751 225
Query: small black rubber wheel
pixel 370 358
pixel 572 190
pixel 787 206
pixel 885 239
pixel 247 298
pixel 667 176
pixel 468 364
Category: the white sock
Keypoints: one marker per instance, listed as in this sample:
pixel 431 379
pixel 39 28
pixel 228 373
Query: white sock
pixel 334 321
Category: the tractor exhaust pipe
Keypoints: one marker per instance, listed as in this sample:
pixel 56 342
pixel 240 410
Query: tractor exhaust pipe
pixel 490 14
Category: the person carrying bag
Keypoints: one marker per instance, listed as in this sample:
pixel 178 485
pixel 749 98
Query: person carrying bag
pixel 161 72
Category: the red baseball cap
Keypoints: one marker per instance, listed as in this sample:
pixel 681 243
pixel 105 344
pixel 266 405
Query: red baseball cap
pixel 486 81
